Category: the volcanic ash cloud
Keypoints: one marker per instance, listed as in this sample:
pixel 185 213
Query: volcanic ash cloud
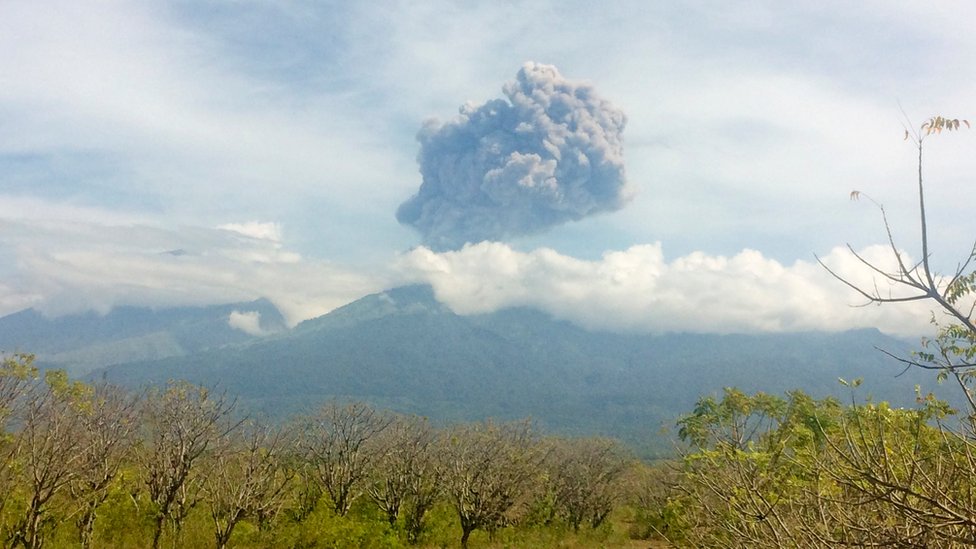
pixel 550 152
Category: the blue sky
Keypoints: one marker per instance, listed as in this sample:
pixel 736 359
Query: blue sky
pixel 272 142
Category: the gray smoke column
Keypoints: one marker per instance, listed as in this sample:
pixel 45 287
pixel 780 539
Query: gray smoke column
pixel 549 153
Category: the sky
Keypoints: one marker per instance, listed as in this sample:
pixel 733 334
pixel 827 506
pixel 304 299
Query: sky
pixel 637 166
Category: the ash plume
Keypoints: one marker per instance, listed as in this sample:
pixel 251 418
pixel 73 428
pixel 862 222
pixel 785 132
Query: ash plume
pixel 549 152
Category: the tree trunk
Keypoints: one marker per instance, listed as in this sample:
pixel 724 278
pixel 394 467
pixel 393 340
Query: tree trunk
pixel 222 539
pixel 28 536
pixel 158 533
pixel 414 524
pixel 465 534
pixel 222 533
pixel 86 526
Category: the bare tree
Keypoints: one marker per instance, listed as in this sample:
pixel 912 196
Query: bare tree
pixel 72 437
pixel 248 480
pixel 584 474
pixel 306 498
pixel 336 444
pixel 53 450
pixel 488 470
pixel 405 477
pixel 109 420
pixel 183 423
pixel 953 351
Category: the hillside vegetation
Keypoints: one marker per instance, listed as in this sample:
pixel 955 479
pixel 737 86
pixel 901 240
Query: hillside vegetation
pixel 402 350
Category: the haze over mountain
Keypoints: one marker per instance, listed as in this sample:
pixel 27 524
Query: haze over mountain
pixel 403 350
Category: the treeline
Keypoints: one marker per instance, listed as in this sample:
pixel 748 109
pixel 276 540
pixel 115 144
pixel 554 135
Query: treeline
pixel 95 466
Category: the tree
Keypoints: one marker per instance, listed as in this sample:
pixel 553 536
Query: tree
pixel 583 474
pixel 309 492
pixel 72 438
pixel 653 493
pixel 405 477
pixel 738 476
pixel 953 351
pixel 913 474
pixel 820 475
pixel 247 480
pixel 183 423
pixel 53 448
pixel 336 444
pixel 735 421
pixel 929 482
pixel 109 420
pixel 17 374
pixel 488 469
pixel 815 474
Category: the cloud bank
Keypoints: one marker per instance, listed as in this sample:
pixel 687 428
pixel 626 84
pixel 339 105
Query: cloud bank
pixel 90 266
pixel 97 267
pixel 638 290
pixel 549 153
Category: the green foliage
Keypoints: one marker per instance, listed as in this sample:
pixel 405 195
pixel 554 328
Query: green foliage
pixel 736 421
pixel 18 366
pixel 324 528
pixel 16 373
pixel 802 472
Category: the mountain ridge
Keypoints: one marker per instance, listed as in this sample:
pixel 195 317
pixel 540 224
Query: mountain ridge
pixel 401 349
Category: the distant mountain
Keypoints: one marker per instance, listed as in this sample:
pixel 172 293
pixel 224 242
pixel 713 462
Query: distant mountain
pixel 403 350
pixel 80 343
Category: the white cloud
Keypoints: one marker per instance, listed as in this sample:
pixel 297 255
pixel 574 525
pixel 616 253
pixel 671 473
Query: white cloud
pixel 94 266
pixel 267 249
pixel 66 268
pixel 638 290
pixel 248 322
pixel 255 229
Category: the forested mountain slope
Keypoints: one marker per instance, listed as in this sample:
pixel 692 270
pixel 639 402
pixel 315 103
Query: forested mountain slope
pixel 403 350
